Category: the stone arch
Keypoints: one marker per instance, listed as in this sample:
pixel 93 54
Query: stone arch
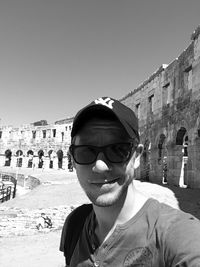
pixel 180 136
pixel 60 158
pixel 160 147
pixel 41 161
pixel 8 153
pixel 8 156
pixel 40 153
pixel 19 154
pixel 182 140
pixel 30 155
pixel 50 153
pixel 30 152
pixel 185 146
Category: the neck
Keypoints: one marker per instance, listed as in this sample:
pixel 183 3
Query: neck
pixel 107 218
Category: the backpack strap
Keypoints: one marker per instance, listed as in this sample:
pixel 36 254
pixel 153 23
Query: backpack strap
pixel 72 229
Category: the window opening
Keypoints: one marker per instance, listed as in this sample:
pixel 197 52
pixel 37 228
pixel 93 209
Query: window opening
pixel 34 134
pixel 44 133
pixel 54 132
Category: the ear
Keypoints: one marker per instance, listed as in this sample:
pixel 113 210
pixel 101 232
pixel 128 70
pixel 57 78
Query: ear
pixel 139 151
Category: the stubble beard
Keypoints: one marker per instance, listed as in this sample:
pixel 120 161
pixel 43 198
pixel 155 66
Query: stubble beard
pixel 111 198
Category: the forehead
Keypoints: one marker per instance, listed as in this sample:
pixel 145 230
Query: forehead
pixel 106 129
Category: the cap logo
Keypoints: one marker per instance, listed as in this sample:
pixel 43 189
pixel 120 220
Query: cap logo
pixel 105 102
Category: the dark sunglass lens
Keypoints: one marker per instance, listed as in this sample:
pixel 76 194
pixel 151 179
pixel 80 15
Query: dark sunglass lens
pixel 84 154
pixel 117 153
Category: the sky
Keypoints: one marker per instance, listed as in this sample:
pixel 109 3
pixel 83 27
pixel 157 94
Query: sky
pixel 56 56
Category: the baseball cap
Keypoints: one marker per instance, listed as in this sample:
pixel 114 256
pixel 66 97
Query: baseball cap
pixel 102 105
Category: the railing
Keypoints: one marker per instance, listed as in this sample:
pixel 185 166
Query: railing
pixel 7 187
pixel 5 194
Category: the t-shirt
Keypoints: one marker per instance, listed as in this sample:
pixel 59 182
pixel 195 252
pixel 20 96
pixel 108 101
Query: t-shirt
pixel 156 236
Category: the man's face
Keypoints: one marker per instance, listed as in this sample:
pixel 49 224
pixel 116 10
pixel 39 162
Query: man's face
pixel 105 183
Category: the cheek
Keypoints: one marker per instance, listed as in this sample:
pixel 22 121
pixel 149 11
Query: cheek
pixel 82 171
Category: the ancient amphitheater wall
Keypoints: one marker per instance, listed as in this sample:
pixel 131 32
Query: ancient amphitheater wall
pixel 168 108
pixel 19 146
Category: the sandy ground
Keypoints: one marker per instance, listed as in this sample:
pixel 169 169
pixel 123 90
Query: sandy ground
pixel 61 188
pixel 40 250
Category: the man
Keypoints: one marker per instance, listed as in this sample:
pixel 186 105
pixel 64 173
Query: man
pixel 123 227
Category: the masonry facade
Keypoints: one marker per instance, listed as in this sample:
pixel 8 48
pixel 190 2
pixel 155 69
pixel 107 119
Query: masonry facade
pixel 26 145
pixel 168 108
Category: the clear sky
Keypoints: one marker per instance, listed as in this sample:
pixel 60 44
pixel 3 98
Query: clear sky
pixel 58 55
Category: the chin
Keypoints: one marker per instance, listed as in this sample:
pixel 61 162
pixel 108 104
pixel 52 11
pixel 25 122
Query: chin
pixel 104 203
pixel 106 200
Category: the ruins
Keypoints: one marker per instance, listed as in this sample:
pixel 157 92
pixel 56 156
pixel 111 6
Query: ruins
pixel 168 107
pixel 39 145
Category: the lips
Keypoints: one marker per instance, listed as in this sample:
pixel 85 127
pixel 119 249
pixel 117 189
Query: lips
pixel 103 181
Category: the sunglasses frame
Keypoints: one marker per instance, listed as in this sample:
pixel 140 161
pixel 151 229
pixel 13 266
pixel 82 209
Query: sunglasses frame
pixel 103 149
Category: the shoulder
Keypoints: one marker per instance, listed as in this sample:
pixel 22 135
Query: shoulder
pixel 183 238
pixel 169 217
pixel 171 222
pixel 73 224
pixel 180 235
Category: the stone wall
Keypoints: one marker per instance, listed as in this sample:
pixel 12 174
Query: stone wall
pixel 15 221
pixel 168 108
pixel 26 138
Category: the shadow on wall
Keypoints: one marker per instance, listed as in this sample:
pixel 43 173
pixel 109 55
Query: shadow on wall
pixel 189 199
pixel 164 164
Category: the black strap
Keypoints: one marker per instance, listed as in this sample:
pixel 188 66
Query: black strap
pixel 72 228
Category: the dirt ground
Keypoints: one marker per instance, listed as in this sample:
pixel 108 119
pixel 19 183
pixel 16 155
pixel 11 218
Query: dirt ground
pixel 39 250
pixel 62 188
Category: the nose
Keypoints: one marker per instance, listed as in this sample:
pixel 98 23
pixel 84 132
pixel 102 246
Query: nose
pixel 100 165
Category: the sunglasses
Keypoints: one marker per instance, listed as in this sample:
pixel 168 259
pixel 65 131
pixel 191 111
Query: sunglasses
pixel 114 153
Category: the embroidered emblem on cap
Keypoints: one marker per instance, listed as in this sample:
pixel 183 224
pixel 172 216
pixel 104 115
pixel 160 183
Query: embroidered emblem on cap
pixel 105 102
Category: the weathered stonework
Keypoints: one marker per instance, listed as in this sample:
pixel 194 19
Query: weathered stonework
pixel 168 107
pixel 51 137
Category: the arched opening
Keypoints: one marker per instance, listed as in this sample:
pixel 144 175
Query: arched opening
pixel 160 148
pixel 51 157
pixel 180 136
pixel 41 158
pixel 185 146
pixel 162 157
pixel 40 153
pixel 8 156
pixel 19 154
pixel 50 152
pixel 30 154
pixel 60 158
pixel 182 140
